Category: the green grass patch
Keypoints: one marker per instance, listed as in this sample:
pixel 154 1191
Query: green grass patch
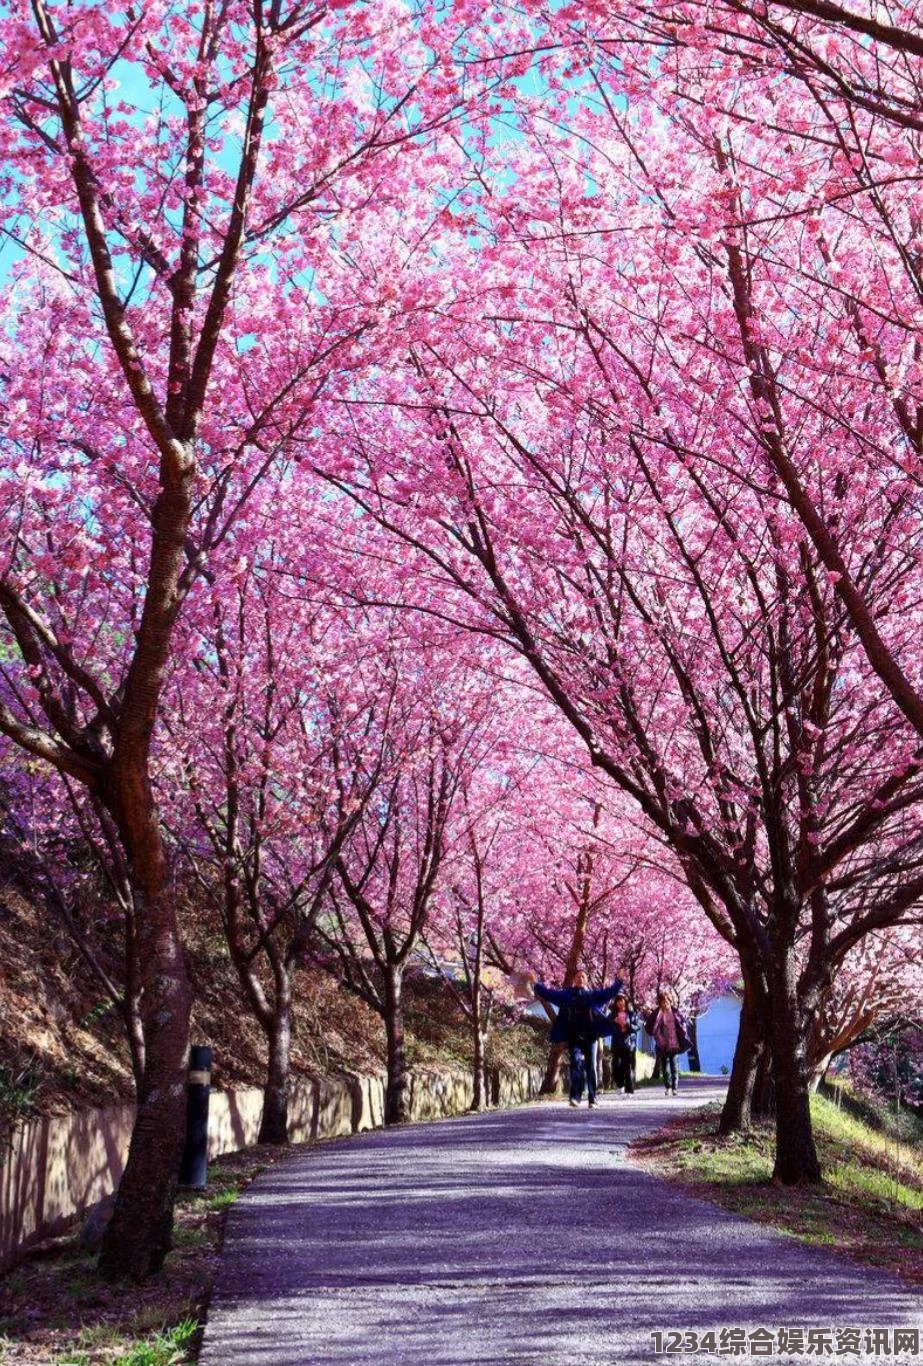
pixel 165 1349
pixel 187 1235
pixel 869 1206
pixel 888 1189
pixel 100 1335
pixel 224 1199
pixel 169 1347
pixel 842 1134
pixel 897 1121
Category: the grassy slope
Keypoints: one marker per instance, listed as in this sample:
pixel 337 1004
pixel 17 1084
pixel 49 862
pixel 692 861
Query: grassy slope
pixel 870 1207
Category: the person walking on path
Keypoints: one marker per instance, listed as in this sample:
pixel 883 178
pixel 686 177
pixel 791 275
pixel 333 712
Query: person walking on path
pixel 625 1026
pixel 668 1030
pixel 580 1023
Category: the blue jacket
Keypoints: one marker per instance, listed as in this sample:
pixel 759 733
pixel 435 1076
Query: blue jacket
pixel 630 1037
pixel 579 1016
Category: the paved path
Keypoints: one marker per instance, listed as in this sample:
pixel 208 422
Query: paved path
pixel 519 1236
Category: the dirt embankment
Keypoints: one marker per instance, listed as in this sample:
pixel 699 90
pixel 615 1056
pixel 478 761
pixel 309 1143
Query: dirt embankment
pixel 62 1042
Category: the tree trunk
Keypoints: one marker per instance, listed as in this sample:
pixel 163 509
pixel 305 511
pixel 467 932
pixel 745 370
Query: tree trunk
pixel 818 1070
pixel 481 1098
pixel 551 1082
pixel 796 1154
pixel 131 1003
pixel 134 1029
pixel 397 1100
pixel 764 1089
pixel 138 1236
pixel 274 1124
pixel 751 1043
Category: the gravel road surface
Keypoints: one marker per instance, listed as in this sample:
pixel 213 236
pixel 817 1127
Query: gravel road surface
pixel 518 1236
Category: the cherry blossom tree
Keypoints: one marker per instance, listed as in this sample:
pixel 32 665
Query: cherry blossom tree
pixel 877 983
pixel 654 938
pixel 392 871
pixel 180 184
pixel 828 169
pixel 273 724
pixel 664 599
pixel 600 327
pixel 569 880
pixel 471 916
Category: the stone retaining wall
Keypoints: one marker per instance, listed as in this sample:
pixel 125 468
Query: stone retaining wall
pixel 56 1168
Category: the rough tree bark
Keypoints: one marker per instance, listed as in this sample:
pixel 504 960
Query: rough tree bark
pixel 397 1095
pixel 138 1236
pixel 274 1123
pixel 748 1053
pixel 131 1001
pixel 481 1097
pixel 764 1089
pixel 796 1154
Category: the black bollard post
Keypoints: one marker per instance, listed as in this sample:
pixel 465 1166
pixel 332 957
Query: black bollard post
pixel 193 1169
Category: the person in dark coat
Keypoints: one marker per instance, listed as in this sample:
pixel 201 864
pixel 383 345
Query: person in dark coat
pixel 626 1024
pixel 671 1037
pixel 580 1023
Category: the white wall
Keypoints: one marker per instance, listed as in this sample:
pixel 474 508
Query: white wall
pixel 716 1033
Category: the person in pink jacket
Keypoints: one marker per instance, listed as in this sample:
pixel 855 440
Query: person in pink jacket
pixel 668 1030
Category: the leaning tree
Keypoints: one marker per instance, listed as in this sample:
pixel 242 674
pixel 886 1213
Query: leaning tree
pixel 814 110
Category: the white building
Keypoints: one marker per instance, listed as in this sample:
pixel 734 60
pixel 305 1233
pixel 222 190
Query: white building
pixel 716 1033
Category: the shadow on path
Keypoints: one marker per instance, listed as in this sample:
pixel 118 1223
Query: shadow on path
pixel 519 1236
